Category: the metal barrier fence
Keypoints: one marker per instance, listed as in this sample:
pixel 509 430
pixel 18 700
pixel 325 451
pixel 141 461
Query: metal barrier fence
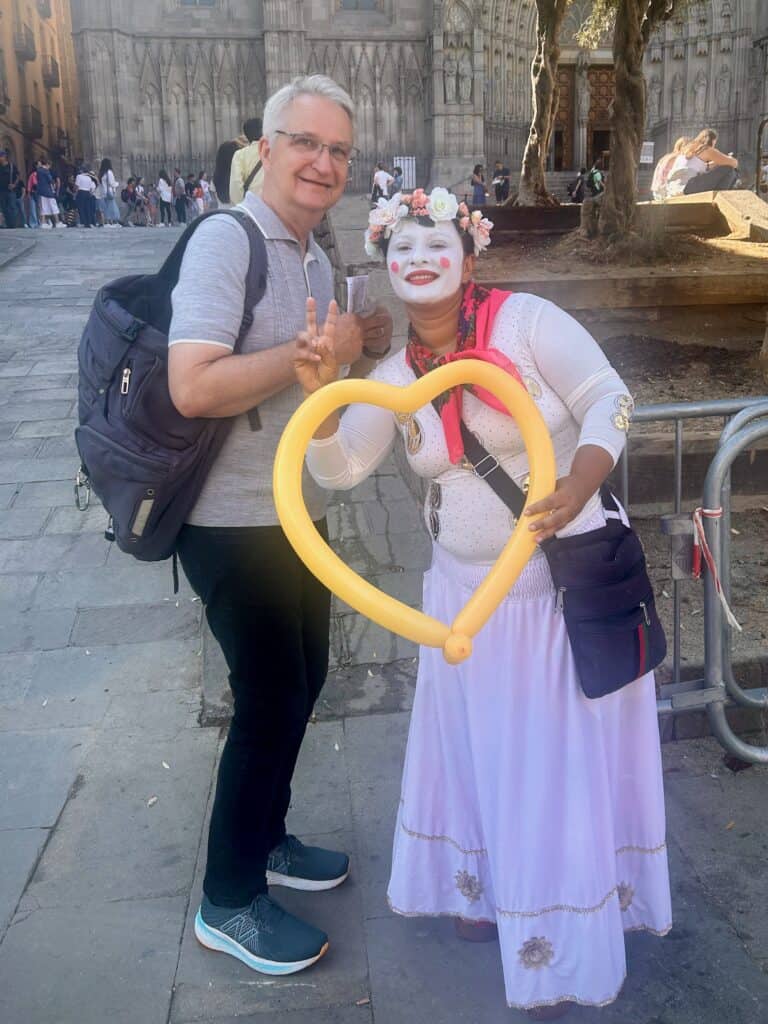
pixel 745 423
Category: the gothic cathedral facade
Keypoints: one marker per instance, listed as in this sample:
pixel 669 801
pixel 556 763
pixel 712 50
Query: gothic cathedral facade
pixel 445 82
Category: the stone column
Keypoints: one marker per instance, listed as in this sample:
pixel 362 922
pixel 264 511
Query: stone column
pixel 284 42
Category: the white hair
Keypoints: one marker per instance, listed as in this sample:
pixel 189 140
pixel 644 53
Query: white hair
pixel 304 85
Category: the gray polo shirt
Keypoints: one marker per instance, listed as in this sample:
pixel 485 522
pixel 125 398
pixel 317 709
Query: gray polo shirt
pixel 208 307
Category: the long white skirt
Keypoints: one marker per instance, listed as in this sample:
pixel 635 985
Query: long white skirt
pixel 527 804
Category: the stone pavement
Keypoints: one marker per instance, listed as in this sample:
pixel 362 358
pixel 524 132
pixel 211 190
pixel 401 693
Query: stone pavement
pixel 105 773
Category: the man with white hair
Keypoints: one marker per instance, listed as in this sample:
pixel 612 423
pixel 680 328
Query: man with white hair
pixel 269 614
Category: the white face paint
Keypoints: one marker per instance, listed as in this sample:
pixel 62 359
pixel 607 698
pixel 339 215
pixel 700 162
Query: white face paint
pixel 425 264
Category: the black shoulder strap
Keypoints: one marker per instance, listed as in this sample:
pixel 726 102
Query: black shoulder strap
pixel 255 280
pixel 251 176
pixel 487 467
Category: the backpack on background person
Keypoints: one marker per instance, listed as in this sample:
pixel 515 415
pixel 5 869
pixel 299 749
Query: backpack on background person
pixel 145 461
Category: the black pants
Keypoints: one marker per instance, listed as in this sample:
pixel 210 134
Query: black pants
pixel 180 202
pixel 271 618
pixel 8 209
pixel 86 208
pixel 716 180
pixel 165 211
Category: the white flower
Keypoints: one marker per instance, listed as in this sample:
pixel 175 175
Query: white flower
pixel 388 212
pixel 480 230
pixel 442 205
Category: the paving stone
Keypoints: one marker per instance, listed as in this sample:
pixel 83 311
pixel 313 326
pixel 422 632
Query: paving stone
pixel 45 428
pixel 356 640
pixel 17 590
pixel 161 714
pixel 118 669
pixel 20 850
pixel 16 672
pixel 45 493
pixel 36 630
pixel 108 962
pixel 320 771
pixel 109 844
pixel 46 367
pixel 30 714
pixel 376 554
pixel 37 771
pixel 136 583
pixel 53 446
pixel 18 385
pixel 19 411
pixel 354 1014
pixel 33 470
pixel 7 493
pixel 392 517
pixel 22 522
pixel 15 370
pixel 45 554
pixel 68 519
pixel 21 447
pixel 6 430
pixel 138 623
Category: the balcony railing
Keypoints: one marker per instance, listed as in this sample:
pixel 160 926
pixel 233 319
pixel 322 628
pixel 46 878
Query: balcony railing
pixel 44 8
pixel 50 71
pixel 32 122
pixel 24 42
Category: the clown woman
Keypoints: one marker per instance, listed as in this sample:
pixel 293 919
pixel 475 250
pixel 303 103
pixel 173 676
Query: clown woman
pixel 528 813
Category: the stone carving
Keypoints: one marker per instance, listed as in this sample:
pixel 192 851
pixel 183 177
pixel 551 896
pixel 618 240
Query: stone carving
pixel 450 69
pixel 700 94
pixel 465 77
pixel 677 95
pixel 458 19
pixel 654 100
pixel 583 94
pixel 702 46
pixel 726 44
pixel 723 88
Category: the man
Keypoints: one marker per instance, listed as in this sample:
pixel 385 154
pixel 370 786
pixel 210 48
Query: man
pixel 269 614
pixel 180 197
pixel 596 178
pixel 500 183
pixel 7 204
pixel 381 182
pixel 246 172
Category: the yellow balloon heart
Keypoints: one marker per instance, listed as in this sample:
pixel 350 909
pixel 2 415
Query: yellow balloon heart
pixel 456 639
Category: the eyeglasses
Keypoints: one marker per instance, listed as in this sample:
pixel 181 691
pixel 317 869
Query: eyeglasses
pixel 308 145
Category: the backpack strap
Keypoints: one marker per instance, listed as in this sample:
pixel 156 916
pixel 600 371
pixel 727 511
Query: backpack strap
pixel 255 280
pixel 251 176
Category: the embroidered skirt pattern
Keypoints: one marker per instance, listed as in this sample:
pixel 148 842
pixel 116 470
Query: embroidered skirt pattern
pixel 526 804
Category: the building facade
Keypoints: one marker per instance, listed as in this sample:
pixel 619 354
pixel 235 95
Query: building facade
pixel 444 82
pixel 38 81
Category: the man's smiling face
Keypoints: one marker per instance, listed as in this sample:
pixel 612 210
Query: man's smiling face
pixel 311 183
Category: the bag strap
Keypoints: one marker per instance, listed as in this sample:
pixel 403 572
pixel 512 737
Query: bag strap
pixel 251 176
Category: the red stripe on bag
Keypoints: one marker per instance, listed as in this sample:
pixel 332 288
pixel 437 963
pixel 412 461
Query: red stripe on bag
pixel 641 639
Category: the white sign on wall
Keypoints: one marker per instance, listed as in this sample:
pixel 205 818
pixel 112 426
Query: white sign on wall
pixel 646 153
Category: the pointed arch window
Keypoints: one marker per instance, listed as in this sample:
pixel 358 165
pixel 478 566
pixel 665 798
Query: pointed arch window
pixel 198 3
pixel 359 5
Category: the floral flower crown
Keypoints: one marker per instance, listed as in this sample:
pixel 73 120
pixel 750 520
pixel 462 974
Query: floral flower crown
pixel 439 205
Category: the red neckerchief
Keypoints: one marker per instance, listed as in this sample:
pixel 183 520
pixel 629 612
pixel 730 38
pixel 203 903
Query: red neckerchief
pixel 479 307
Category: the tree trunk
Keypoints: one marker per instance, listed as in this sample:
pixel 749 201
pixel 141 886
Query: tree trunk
pixel 627 121
pixel 533 187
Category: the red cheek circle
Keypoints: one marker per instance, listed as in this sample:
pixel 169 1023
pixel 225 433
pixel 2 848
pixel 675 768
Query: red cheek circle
pixel 445 262
pixel 394 266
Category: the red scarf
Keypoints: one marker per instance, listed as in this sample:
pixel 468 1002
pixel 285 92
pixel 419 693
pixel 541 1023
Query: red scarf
pixel 479 307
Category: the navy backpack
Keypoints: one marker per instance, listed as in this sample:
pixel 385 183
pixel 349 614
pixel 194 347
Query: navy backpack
pixel 145 461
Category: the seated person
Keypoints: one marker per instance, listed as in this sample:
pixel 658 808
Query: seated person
pixel 664 167
pixel 701 167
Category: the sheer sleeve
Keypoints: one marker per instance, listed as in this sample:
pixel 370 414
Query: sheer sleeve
pixel 364 439
pixel 574 365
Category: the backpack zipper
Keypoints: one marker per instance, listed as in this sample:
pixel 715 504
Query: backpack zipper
pixel 559 599
pixel 125 380
pixel 645 613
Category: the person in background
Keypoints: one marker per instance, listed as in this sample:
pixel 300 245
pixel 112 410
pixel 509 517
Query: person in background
pixel 179 197
pixel 246 173
pixel 17 192
pixel 498 182
pixel 7 204
pixel 106 193
pixel 576 188
pixel 49 208
pixel 68 203
pixel 381 182
pixel 222 170
pixel 153 203
pixel 596 178
pixel 128 196
pixel 700 167
pixel 33 218
pixel 199 197
pixel 205 186
pixel 479 195
pixel 165 194
pixel 86 203
pixel 663 168
pixel 396 185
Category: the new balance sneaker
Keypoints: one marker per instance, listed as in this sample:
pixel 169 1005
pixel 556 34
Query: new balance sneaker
pixel 262 935
pixel 310 868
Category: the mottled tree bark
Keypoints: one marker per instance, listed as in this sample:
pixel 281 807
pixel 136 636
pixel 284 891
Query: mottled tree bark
pixel 635 20
pixel 532 190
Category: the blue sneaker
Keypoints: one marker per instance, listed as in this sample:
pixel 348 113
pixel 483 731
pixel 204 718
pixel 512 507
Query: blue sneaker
pixel 262 935
pixel 309 868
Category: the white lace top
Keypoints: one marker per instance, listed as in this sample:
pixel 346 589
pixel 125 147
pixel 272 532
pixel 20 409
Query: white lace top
pixel 581 397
